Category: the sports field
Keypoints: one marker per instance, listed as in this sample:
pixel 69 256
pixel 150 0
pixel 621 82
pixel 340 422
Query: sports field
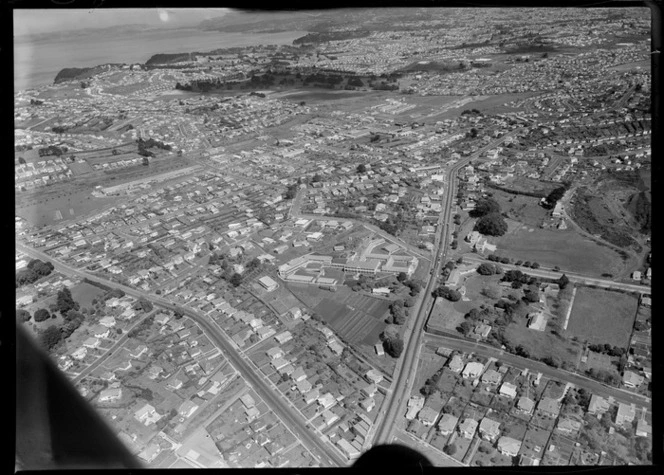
pixel 63 206
pixel 603 316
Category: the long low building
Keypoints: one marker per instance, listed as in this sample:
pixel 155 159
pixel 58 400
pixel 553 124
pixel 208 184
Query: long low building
pixel 268 283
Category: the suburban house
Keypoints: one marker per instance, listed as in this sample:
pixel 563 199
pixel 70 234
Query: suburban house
pixel 549 407
pixel 427 416
pixel 508 390
pixel 147 415
pixel 643 429
pixel 447 424
pixel 472 370
pixel 111 394
pixel 455 364
pixel 489 429
pixel 568 426
pixel 467 428
pixel 632 379
pixel 525 405
pixel 415 404
pixel 598 405
pixel 492 377
pixel 508 446
pixel 625 415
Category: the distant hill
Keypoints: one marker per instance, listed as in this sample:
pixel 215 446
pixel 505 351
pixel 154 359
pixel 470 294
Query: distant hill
pixel 76 74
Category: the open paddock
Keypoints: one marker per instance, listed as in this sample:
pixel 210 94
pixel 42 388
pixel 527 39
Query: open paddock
pixel 542 344
pixel 603 316
pixel 563 248
pixel 85 293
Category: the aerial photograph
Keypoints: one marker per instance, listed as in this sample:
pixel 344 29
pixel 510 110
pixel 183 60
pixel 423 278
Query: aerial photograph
pixel 281 239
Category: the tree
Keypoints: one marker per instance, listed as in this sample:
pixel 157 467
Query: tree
pixel 361 168
pixel 486 269
pixel 465 328
pixel 450 449
pixel 563 281
pixel 22 315
pixel 393 346
pixel 520 350
pixel 402 277
pixel 21 160
pixel 65 302
pixel 415 287
pixel 42 315
pixel 144 304
pixel 146 162
pixel 447 293
pixel 484 206
pixel 50 337
pixel 534 265
pixel 235 280
pixel 491 225
pixel 531 295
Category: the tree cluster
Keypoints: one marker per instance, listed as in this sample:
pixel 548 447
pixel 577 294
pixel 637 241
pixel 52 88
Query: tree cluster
pixel 65 302
pixel 393 346
pixel 492 224
pixel 52 150
pixel 291 191
pixel 515 275
pixel 143 304
pixel 35 270
pixel 398 313
pixel 447 293
pixel 607 349
pixel 483 207
pixel 42 315
pixel 22 315
pixel 553 197
pixel 431 384
pixel 414 286
pixel 495 258
pixel 488 269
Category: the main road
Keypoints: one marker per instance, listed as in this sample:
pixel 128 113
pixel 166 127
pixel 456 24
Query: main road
pixel 407 364
pixel 326 454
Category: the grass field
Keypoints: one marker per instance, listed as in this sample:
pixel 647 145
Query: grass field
pixel 602 316
pixel 542 344
pixel 84 293
pixel 44 213
pixel 563 248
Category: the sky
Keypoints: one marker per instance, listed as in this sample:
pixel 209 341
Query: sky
pixel 51 20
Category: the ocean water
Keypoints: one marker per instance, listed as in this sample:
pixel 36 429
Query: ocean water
pixel 38 62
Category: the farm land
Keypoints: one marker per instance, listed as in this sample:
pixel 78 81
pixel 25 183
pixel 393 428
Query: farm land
pixel 601 316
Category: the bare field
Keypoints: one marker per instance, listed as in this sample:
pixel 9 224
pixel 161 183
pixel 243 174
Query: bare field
pixel 602 316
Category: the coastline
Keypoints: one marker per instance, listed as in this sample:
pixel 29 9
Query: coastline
pixel 37 63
